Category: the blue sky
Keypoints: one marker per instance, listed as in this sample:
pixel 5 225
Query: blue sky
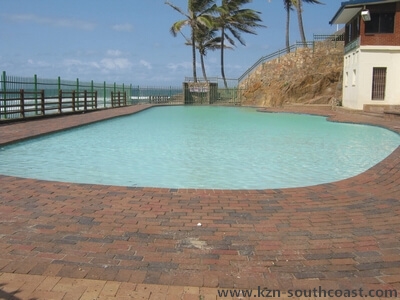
pixel 128 41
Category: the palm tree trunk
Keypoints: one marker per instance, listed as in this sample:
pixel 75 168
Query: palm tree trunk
pixel 203 68
pixel 287 28
pixel 300 19
pixel 194 57
pixel 222 56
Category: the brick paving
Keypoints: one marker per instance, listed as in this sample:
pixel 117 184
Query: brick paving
pixel 74 241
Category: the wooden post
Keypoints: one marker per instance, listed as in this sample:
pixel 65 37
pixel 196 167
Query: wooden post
pixel 21 103
pixel 42 104
pixel 85 100
pixel 119 98
pixel 4 90
pixel 112 99
pixel 59 101
pixel 73 100
pixel 125 98
pixel 95 99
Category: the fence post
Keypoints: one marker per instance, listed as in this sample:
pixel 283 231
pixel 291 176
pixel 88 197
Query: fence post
pixel 130 93
pixel 21 103
pixel 115 88
pixel 85 100
pixel 77 93
pixel 4 88
pixel 59 101
pixel 36 92
pixel 73 100
pixel 92 92
pixel 42 104
pixel 95 99
pixel 112 99
pixel 119 98
pixel 104 93
pixel 59 89
pixel 123 93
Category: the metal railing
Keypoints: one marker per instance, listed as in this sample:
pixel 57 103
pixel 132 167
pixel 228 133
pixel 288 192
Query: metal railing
pixel 329 37
pixel 24 104
pixel 200 93
pixel 156 95
pixel 22 97
pixel 334 39
pixel 352 45
pixel 231 82
pixel 274 55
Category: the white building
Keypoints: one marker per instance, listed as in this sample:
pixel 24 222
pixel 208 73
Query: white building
pixel 371 72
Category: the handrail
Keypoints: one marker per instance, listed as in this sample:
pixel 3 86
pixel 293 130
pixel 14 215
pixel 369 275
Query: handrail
pixel 26 104
pixel 273 55
pixel 317 37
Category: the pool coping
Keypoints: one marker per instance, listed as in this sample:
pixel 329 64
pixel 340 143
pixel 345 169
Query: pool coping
pixel 371 244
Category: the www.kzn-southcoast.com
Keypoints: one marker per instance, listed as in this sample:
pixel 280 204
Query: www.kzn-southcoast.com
pixel 316 293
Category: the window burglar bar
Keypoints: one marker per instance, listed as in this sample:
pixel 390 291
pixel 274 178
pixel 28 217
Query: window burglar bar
pixel 378 83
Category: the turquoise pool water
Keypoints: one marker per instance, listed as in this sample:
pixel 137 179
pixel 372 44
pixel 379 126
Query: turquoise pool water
pixel 202 147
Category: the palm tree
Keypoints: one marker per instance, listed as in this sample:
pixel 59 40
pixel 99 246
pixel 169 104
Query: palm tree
pixel 288 7
pixel 233 19
pixel 206 40
pixel 199 14
pixel 299 8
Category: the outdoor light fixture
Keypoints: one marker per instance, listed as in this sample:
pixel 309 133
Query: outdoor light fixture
pixel 365 15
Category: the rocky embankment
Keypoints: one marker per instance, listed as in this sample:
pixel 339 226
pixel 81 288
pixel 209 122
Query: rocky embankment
pixel 308 76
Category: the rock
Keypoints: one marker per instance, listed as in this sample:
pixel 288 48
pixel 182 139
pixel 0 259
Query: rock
pixel 308 75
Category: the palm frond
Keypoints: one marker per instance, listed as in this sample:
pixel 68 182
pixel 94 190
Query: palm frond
pixel 176 8
pixel 177 27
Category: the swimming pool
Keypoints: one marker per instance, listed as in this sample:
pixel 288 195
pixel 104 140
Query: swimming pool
pixel 202 147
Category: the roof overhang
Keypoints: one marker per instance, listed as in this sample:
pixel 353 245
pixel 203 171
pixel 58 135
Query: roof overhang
pixel 350 9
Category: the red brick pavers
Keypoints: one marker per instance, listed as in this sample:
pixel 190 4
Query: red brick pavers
pixel 341 235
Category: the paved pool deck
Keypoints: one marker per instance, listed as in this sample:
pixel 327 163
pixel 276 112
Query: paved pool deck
pixel 63 240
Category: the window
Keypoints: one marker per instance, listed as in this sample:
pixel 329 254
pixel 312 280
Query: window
pixel 380 23
pixel 352 30
pixel 378 83
pixel 354 77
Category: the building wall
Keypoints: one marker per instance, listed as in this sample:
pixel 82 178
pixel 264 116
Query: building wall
pixel 374 50
pixel 350 97
pixel 357 75
pixel 384 39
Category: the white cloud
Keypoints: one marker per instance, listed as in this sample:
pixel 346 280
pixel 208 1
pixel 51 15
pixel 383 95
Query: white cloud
pixel 115 63
pixel 145 64
pixel 123 27
pixel 68 23
pixel 114 53
pixel 104 66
